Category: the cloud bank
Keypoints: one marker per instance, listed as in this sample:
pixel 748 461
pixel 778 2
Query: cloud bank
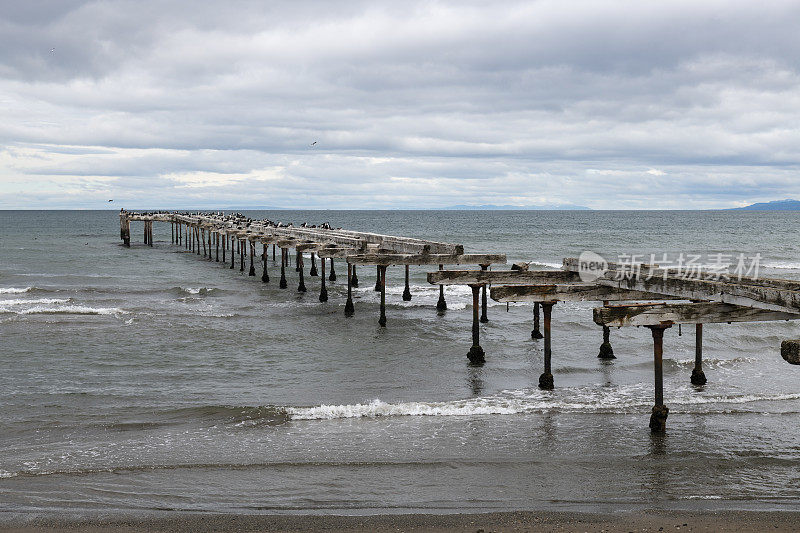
pixel 607 104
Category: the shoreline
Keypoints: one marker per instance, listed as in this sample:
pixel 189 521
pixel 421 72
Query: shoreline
pixel 561 521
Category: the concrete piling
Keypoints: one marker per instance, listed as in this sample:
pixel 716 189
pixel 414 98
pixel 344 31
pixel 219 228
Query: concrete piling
pixel 332 276
pixel 313 270
pixel 484 317
pixel 264 257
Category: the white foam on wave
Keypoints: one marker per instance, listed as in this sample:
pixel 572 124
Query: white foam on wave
pixel 619 400
pixel 14 290
pixel 4 474
pixel 782 265
pixel 62 310
pixel 34 301
pixel 546 264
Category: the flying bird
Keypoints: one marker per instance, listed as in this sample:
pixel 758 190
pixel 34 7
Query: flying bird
pixel 312 144
pixel 52 50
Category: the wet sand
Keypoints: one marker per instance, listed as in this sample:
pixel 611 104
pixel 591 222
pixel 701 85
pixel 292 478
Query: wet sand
pixel 656 521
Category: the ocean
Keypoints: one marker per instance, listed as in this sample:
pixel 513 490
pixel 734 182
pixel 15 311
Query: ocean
pixel 149 380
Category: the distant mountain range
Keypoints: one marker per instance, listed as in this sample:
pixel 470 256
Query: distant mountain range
pixel 775 205
pixel 552 207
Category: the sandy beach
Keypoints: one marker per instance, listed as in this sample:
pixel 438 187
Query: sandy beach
pixel 739 521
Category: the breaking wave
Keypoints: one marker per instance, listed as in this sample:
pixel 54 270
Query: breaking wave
pixel 62 310
pixel 521 402
pixel 14 290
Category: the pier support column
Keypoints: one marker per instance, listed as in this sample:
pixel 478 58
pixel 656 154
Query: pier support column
pixel 273 252
pixel 203 239
pixel 210 244
pixel 484 318
pixel 354 277
pixel 145 232
pixel 150 233
pixel 301 287
pixel 241 254
pixel 606 351
pixel 332 276
pixel 233 254
pixel 382 273
pixel 476 355
pixel 349 309
pixel 197 238
pixel 264 257
pixel 536 334
pixel 698 376
pixel 323 291
pixel 172 232
pixel 313 270
pixel 407 290
pixel 252 253
pixel 297 260
pixel 658 419
pixel 546 379
pixel 441 305
pixel 125 229
pixel 216 242
pixel 282 284
pixel 377 278
pixel 224 239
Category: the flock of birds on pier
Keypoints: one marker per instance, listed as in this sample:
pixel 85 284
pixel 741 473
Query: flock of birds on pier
pixel 243 222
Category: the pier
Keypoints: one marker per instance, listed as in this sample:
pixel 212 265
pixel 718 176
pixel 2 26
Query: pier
pixel 647 295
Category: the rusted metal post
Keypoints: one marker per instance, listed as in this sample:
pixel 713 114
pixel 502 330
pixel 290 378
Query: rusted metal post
pixel 484 317
pixel 264 257
pixel 284 253
pixel 301 287
pixel 658 418
pixel 349 309
pixel 382 273
pixel 313 270
pixel 332 276
pixel 407 290
pixel 476 355
pixel 354 277
pixel 252 271
pixel 536 334
pixel 606 351
pixel 546 379
pixel 323 292
pixel 441 305
pixel 698 376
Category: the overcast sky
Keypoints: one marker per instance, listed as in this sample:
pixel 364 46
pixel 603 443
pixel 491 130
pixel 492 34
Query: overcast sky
pixel 675 104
